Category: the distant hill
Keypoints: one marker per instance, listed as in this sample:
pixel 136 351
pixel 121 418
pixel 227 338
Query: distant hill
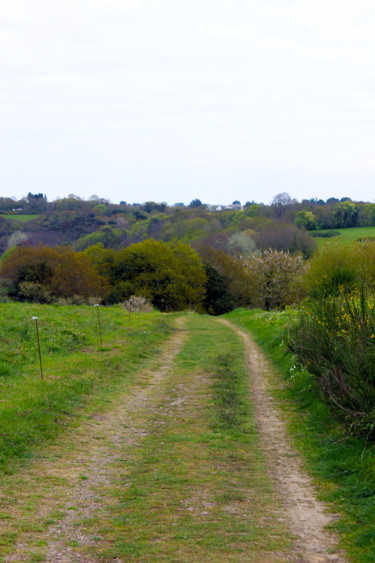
pixel 286 224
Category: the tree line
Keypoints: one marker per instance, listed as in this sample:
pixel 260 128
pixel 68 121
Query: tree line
pixel 173 276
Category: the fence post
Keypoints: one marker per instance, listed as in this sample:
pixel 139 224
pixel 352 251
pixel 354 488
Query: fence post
pixel 40 355
pixel 100 328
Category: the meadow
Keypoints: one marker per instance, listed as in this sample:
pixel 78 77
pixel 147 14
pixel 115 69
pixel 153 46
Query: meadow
pixel 347 236
pixel 20 217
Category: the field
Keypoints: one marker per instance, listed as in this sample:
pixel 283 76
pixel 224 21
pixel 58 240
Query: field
pixel 347 236
pixel 21 218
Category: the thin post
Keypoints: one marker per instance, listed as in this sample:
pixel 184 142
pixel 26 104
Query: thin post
pixel 100 328
pixel 40 355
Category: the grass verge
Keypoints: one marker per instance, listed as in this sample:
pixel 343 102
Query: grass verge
pixel 344 468
pixel 78 370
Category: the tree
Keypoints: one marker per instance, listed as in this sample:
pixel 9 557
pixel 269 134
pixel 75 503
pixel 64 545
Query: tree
pixel 283 199
pixel 242 244
pixel 231 268
pixel 43 274
pixel 306 220
pixel 168 273
pixel 195 203
pixel 345 214
pixel 218 299
pixel 36 202
pixel 278 278
pixel 280 235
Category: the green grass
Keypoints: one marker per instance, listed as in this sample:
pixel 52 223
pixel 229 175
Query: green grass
pixel 77 369
pixel 20 218
pixel 347 236
pixel 197 489
pixel 344 468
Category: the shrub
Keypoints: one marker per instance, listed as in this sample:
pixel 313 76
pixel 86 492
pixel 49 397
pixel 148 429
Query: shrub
pixel 331 270
pixel 334 339
pixel 326 234
pixel 338 267
pixel 137 304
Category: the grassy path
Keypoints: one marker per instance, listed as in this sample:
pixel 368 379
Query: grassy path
pixel 171 470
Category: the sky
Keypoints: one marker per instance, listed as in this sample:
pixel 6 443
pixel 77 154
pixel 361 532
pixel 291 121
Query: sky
pixel 220 100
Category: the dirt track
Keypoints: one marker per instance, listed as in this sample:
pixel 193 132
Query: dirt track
pixel 90 466
pixel 308 517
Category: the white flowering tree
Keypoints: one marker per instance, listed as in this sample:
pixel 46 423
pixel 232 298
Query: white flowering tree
pixel 278 278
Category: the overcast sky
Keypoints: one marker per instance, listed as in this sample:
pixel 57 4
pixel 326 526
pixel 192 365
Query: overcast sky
pixel 172 100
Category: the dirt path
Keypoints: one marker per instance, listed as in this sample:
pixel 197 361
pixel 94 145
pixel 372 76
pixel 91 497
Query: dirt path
pixel 64 490
pixel 308 517
pixel 88 468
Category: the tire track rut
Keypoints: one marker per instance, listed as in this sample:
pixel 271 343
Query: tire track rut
pixel 308 517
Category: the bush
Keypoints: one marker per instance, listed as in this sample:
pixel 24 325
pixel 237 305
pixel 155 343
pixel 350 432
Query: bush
pixel 338 267
pixel 331 270
pixel 334 339
pixel 326 234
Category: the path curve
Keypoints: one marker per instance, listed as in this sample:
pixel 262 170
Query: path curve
pixel 308 516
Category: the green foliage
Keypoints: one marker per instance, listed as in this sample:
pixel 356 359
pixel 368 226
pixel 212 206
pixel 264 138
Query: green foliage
pixel 168 273
pixel 345 214
pixel 331 268
pixel 306 220
pixel 106 235
pixel 326 234
pixel 339 266
pixel 218 298
pixel 334 339
pixel 235 280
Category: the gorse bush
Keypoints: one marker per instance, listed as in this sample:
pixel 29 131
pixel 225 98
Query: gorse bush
pixel 334 339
